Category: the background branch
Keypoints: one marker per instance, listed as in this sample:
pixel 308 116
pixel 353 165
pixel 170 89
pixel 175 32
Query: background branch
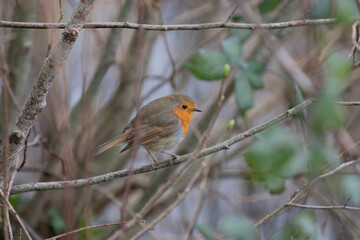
pixel 36 101
pixel 154 27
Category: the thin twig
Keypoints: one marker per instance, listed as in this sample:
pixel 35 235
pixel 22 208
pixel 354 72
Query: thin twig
pixel 25 148
pixel 138 87
pixel 349 103
pixel 297 193
pixel 321 207
pixel 41 186
pixel 172 27
pixel 7 203
pixel 85 228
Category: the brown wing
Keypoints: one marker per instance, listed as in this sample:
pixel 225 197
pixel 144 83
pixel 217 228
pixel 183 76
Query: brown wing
pixel 149 135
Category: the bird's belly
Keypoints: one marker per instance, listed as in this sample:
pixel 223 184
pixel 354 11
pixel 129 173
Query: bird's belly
pixel 166 143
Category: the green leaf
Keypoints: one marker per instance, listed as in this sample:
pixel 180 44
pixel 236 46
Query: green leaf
pixel 239 228
pixel 338 69
pixel 207 231
pixel 255 79
pixel 243 92
pixel 267 6
pixel 233 50
pixel 207 65
pixel 284 233
pixel 321 9
pixel 317 157
pixel 305 224
pixel 275 184
pixel 274 158
pixel 327 115
pixel 350 185
pixel 57 221
pixel 255 66
pixel 346 9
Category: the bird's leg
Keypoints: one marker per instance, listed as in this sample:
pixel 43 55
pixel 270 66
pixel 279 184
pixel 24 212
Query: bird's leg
pixel 151 157
pixel 173 156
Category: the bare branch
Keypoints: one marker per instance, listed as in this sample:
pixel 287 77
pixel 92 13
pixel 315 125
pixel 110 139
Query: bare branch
pixel 322 207
pixel 7 203
pixel 41 186
pixel 86 228
pixel 172 27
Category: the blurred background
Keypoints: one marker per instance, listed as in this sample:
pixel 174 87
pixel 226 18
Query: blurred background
pixel 93 95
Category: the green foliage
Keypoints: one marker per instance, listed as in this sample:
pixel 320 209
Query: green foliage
pixel 321 9
pixel 230 125
pixel 207 65
pixel 238 228
pixel 253 71
pixel 243 92
pixel 346 9
pixel 302 227
pixel 57 221
pixel 305 224
pixel 207 231
pixel 318 156
pixel 226 70
pixel 327 114
pixel 232 50
pixel 88 233
pixel 17 200
pixel 350 185
pixel 267 6
pixel 274 158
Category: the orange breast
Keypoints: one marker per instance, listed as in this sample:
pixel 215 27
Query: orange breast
pixel 185 116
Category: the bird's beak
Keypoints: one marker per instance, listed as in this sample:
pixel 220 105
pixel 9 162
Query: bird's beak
pixel 196 110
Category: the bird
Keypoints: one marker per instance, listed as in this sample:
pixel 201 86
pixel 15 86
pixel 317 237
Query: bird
pixel 163 123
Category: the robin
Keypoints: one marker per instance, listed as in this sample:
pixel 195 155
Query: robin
pixel 163 124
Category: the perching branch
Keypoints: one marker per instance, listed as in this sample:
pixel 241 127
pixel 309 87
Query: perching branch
pixel 36 101
pixel 173 27
pixel 322 207
pixel 41 186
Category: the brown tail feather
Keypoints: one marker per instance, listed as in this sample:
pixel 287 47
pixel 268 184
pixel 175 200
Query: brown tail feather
pixel 109 144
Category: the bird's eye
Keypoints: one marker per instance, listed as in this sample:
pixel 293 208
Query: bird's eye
pixel 184 107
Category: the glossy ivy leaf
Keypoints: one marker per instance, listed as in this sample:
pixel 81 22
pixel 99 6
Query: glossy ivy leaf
pixel 207 231
pixel 232 50
pixel 207 65
pixel 243 92
pixel 267 6
pixel 274 158
pixel 238 228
